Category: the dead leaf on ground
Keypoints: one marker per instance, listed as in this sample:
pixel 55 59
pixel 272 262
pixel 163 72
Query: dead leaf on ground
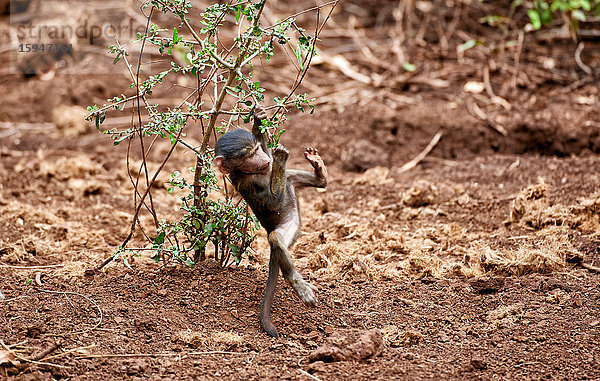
pixel 7 357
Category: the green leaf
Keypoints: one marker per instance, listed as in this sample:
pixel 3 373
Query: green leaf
pixel 208 229
pixel 238 14
pixel 468 45
pixel 235 89
pixel 299 57
pixel 491 19
pixel 120 140
pixel 546 16
pixel 117 58
pixel 125 261
pixel 160 239
pixel 189 262
pixel 557 6
pixel 409 67
pixel 534 17
pixel 586 5
pixel 578 15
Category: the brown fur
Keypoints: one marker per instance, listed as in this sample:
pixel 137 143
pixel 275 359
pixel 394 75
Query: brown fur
pixel 271 195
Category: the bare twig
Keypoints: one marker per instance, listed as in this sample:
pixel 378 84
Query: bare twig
pixel 518 57
pixel 488 88
pixel 202 353
pixel 136 80
pixel 41 355
pixel 413 163
pixel 86 298
pixel 128 355
pixel 308 375
pixel 589 267
pixel 29 360
pixel 580 63
pixel 69 351
pixel 38 279
pixel 304 11
pixel 358 36
pixel 310 54
pixel 474 109
pixel 31 267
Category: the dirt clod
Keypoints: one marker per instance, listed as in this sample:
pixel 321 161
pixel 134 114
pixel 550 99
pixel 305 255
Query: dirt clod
pixel 349 345
pixel 421 194
pixel 69 120
pixel 478 362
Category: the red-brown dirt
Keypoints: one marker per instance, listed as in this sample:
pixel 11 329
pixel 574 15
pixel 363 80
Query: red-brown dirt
pixel 468 266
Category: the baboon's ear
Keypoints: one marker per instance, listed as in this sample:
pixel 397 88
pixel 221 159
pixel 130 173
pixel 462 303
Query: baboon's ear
pixel 222 164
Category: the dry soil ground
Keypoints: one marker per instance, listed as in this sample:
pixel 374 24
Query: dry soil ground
pixel 466 267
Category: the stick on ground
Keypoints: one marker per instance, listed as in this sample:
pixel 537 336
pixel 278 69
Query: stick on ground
pixel 413 163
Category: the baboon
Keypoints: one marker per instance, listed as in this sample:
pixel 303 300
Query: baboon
pixel 261 177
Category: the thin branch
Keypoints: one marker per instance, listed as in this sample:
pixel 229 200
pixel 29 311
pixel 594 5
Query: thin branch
pixel 580 63
pixel 310 54
pixel 413 163
pixel 139 206
pixel 31 267
pixel 28 360
pixel 104 108
pixel 589 267
pixel 136 79
pixel 86 298
pixel 518 57
pixel 318 7
pixel 129 355
pixel 490 92
pixel 308 375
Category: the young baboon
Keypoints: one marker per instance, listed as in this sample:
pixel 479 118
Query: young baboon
pixel 261 177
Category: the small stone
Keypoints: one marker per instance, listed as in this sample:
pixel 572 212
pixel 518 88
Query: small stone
pixel 478 363
pixel 409 356
pixel 443 337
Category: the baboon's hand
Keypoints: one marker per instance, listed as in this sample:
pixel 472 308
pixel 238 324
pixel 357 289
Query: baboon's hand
pixel 305 291
pixel 260 113
pixel 280 153
pixel 312 155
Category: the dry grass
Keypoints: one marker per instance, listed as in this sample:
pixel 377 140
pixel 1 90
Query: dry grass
pixel 358 246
